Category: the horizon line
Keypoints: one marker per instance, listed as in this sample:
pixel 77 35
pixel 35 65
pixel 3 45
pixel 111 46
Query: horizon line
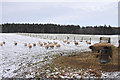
pixel 56 23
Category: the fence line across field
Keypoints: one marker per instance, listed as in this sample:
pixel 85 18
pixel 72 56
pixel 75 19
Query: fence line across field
pixel 114 38
pixel 59 36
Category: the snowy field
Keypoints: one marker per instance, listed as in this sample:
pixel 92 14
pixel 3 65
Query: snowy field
pixel 18 59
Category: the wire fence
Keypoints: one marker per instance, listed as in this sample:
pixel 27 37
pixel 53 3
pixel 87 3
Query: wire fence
pixel 73 37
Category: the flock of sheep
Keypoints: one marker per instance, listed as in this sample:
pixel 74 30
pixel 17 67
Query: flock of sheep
pixel 1 44
pixel 45 44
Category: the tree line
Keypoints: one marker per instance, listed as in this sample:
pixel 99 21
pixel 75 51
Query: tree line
pixel 59 29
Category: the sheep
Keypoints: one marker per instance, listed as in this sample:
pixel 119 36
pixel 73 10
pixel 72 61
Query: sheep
pixel 68 42
pixel 51 45
pixel 30 46
pixel 47 46
pixel 55 43
pixel 41 44
pixel 81 41
pixel 34 44
pixel 25 44
pixel 58 45
pixel 64 41
pixel 15 43
pixel 76 43
pixel 50 42
pixel 3 42
pixel 45 43
pixel 88 42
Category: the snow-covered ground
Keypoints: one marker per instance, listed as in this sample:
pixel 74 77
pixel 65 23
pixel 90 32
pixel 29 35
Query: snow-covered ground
pixel 18 59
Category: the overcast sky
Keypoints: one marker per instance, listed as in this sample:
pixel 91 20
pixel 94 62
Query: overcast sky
pixel 69 12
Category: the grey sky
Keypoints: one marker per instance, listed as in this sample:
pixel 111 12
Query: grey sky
pixel 81 13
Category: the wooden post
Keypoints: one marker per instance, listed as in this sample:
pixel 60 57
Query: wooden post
pixel 109 40
pixel 74 38
pixel 90 40
pixel 67 37
pixel 82 38
pixel 119 56
pixel 51 37
pixel 100 39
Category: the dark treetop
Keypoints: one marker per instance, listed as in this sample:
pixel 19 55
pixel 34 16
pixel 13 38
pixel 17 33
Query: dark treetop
pixel 59 29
